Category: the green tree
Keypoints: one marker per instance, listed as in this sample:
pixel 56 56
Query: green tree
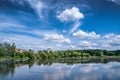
pixel 2 52
pixel 22 55
pixel 31 54
pixel 101 53
pixel 86 55
pixel 13 50
pixel 37 56
pixel 43 55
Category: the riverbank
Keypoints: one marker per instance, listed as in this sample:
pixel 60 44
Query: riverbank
pixel 15 59
pixel 67 58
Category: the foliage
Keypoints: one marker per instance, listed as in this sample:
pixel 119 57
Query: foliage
pixel 31 54
pixel 9 51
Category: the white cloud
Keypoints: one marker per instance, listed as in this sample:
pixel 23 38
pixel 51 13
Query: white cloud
pixel 7 22
pixel 87 68
pixel 106 46
pixel 56 38
pixel 38 6
pixel 93 35
pixel 56 42
pixel 108 36
pixel 82 34
pixel 75 26
pixel 24 29
pixel 72 46
pixel 87 44
pixel 115 41
pixel 11 25
pixel 38 32
pixel 29 42
pixel 110 41
pixel 115 1
pixel 22 41
pixel 72 14
pixel 69 15
pixel 66 47
pixel 58 45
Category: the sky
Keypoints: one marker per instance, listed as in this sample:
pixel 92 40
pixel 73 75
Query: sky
pixel 60 24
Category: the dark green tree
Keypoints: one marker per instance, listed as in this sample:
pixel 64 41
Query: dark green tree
pixel 31 54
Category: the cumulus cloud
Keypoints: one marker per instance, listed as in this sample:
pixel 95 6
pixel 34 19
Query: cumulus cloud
pixel 51 39
pixel 22 41
pixel 72 14
pixel 106 46
pixel 111 41
pixel 93 35
pixel 72 46
pixel 108 36
pixel 115 41
pixel 82 34
pixel 56 38
pixel 87 44
pixel 30 42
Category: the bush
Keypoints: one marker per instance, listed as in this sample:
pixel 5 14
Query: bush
pixel 86 55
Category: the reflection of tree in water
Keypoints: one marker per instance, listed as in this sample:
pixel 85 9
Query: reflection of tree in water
pixel 7 68
pixel 77 61
pixel 45 62
pixel 30 63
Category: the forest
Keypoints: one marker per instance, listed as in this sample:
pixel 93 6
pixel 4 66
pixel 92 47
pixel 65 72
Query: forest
pixel 8 51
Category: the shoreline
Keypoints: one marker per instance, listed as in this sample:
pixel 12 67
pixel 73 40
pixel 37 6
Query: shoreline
pixel 71 58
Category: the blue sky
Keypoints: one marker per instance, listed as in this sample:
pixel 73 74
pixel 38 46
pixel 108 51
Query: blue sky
pixel 61 24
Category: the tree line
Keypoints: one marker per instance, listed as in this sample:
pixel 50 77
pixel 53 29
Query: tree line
pixel 9 51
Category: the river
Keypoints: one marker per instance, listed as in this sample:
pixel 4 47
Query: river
pixel 62 69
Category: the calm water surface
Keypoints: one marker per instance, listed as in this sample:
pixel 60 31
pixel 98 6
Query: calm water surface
pixel 88 69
